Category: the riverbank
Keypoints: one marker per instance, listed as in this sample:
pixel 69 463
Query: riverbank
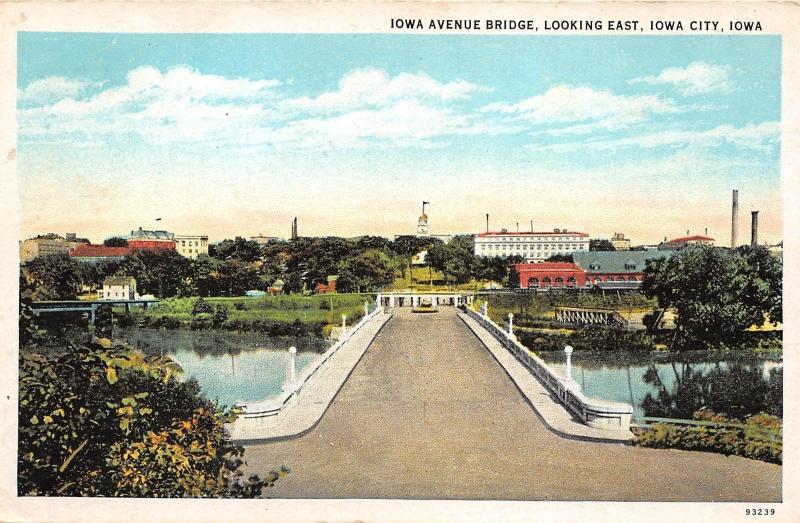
pixel 282 315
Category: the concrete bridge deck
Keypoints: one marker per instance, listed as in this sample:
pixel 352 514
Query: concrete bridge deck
pixel 429 414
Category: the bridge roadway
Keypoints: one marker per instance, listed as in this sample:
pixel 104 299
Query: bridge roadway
pixel 428 414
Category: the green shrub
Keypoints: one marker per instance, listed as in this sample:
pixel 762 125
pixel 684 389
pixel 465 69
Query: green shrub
pixel 201 306
pixel 99 421
pixel 758 437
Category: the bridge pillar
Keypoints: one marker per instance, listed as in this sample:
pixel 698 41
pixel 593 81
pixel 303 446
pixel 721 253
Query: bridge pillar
pixel 391 302
pixel 292 367
pixel 485 309
pixel 568 352
pixel 366 307
pixel 510 324
pixel 344 321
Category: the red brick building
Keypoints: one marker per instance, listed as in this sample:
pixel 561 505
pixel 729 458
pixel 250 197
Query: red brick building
pixel 605 269
pixel 89 253
pixel 550 275
pixel 153 245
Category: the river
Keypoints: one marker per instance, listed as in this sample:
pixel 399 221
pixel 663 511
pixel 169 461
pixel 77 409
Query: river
pixel 675 385
pixel 231 367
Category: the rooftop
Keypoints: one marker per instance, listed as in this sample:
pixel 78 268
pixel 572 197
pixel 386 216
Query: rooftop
pixel 556 232
pixel 143 234
pixel 87 250
pixel 617 261
pixel 119 280
pixel 691 239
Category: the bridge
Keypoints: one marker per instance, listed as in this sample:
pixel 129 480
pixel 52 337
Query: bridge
pixel 89 306
pixel 589 316
pixel 450 406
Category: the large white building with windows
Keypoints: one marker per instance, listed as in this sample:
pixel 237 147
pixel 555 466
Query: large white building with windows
pixel 531 246
pixel 191 245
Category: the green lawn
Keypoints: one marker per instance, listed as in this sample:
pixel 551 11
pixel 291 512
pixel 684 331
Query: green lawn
pixel 323 308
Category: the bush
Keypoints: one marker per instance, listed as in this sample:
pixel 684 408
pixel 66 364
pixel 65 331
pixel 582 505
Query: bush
pixel 220 316
pixel 759 437
pixel 97 421
pixel 239 306
pixel 201 306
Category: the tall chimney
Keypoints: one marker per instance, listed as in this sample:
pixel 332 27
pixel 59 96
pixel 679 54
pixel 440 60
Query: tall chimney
pixel 531 225
pixel 487 222
pixel 754 229
pixel 734 217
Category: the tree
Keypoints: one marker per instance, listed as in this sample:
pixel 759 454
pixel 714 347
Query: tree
pixel 115 241
pixel 235 277
pixel 236 249
pixel 97 421
pixel 53 277
pixel 766 280
pixel 597 244
pixel 407 246
pixel 365 272
pixel 164 273
pixel 454 260
pixel 564 258
pixel 717 293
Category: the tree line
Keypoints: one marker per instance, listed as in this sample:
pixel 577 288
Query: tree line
pixel 234 266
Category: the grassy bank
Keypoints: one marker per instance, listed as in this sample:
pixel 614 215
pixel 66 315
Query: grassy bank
pixel 282 315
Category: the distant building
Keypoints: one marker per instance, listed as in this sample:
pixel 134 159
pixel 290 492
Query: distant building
pixel 677 244
pixel 547 275
pixel 46 245
pixel 532 246
pixel 263 240
pixel 620 242
pixel 118 288
pixel 604 269
pixel 88 253
pixel 612 266
pixel 191 245
pixel 330 287
pixel 152 240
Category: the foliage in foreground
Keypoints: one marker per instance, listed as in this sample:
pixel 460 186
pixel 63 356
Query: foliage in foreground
pixel 103 421
pixel 759 437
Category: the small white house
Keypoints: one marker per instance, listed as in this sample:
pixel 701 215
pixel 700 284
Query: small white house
pixel 118 288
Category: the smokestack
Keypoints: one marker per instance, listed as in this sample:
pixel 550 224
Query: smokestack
pixel 734 218
pixel 517 227
pixel 294 228
pixel 706 233
pixel 754 229
pixel 531 225
pixel 487 222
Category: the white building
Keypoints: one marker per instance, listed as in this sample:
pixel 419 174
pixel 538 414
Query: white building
pixel 191 245
pixel 532 246
pixel 118 288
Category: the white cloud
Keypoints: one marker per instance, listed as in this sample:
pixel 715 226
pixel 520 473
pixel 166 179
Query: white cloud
pixel 586 107
pixel 371 87
pixel 760 137
pixel 183 105
pixel 54 88
pixel 696 78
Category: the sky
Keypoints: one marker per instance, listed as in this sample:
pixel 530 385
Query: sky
pixel 234 134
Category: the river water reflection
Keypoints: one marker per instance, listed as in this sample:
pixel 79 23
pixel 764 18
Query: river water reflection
pixel 676 385
pixel 230 367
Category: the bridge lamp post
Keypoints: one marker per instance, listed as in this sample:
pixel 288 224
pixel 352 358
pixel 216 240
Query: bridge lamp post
pixel 292 367
pixel 568 352
pixel 510 324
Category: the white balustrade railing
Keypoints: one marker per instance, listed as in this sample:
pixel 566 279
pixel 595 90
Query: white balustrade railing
pixel 592 411
pixel 272 405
